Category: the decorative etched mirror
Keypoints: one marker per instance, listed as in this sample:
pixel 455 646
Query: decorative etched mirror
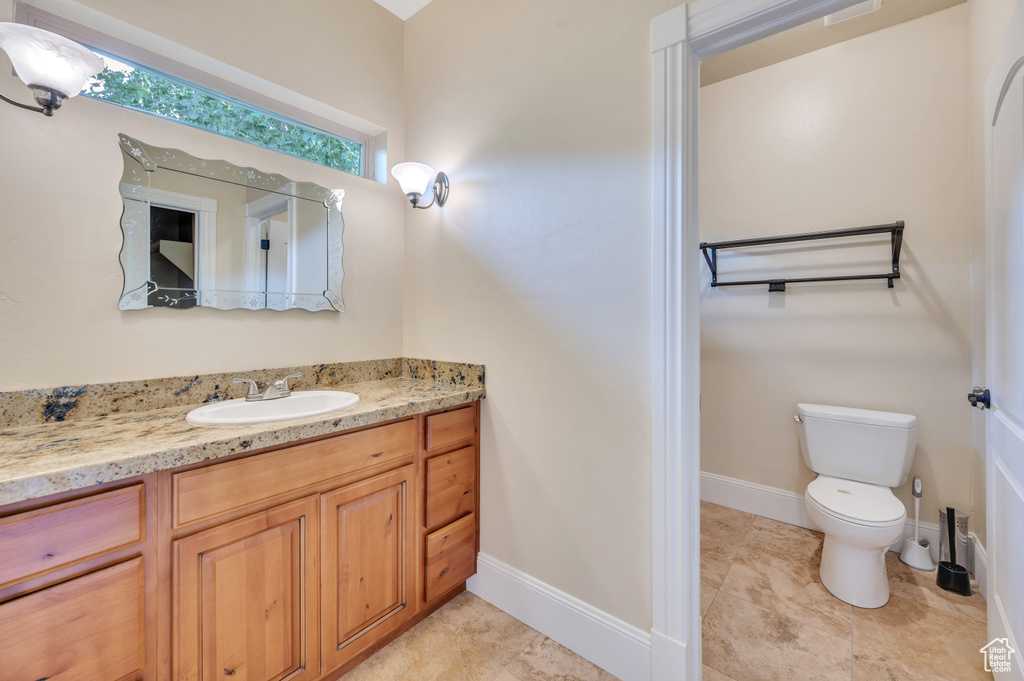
pixel 211 234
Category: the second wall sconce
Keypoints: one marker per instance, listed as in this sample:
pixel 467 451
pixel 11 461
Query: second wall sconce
pixel 52 66
pixel 416 178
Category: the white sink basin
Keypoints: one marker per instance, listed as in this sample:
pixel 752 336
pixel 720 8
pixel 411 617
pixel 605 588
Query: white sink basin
pixel 298 405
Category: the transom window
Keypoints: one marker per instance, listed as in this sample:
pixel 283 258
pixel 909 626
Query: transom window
pixel 142 89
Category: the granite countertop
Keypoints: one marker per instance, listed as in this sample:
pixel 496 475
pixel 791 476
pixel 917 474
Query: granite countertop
pixel 56 456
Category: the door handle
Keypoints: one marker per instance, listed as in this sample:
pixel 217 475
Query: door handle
pixel 980 398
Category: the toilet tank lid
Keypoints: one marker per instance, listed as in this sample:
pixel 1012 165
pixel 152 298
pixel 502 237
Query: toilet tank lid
pixel 864 416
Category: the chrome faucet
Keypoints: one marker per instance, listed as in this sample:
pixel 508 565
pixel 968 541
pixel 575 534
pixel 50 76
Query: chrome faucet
pixel 274 391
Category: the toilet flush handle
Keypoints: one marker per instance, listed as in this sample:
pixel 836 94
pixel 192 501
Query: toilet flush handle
pixel 796 417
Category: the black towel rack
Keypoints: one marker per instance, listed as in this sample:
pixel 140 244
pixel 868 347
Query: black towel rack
pixel 710 251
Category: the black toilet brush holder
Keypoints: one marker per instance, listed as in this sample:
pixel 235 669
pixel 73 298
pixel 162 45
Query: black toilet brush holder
pixel 950 576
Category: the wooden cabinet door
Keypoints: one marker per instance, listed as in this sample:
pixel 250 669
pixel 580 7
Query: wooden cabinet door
pixel 368 535
pixel 88 629
pixel 246 598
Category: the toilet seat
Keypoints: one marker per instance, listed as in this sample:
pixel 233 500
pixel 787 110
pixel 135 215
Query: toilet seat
pixel 854 502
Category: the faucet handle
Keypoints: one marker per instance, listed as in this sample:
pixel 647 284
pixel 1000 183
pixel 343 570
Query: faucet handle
pixel 283 383
pixel 254 389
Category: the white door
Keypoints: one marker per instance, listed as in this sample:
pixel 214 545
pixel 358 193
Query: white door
pixel 276 275
pixel 1005 348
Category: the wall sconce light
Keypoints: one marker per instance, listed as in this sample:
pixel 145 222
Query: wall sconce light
pixel 416 178
pixel 52 66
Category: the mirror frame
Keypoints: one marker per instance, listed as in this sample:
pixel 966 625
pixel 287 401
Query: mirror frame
pixel 135 193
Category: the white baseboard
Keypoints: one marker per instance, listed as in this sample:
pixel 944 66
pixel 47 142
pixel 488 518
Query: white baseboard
pixel 673 660
pixel 786 506
pixel 770 502
pixel 979 560
pixel 616 646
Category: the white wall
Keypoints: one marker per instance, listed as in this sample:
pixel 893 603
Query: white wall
pixel 540 268
pixel 865 132
pixel 59 235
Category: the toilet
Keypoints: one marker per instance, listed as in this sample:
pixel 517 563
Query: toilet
pixel 859 456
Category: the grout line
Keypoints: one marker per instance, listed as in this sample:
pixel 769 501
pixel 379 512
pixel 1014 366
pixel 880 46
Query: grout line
pixel 522 650
pixel 713 599
pixel 851 642
pixel 488 657
pixel 717 670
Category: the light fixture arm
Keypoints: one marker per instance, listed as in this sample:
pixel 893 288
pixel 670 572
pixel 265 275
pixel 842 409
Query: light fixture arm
pixel 46 111
pixel 439 195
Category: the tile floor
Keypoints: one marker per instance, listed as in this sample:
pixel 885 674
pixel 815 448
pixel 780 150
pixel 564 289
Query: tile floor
pixel 767 616
pixel 471 640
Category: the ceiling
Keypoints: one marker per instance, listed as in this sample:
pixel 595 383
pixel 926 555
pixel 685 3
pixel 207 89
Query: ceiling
pixel 779 47
pixel 403 9
pixel 813 36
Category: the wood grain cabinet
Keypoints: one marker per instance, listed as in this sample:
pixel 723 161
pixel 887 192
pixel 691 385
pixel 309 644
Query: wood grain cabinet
pixel 450 528
pixel 88 629
pixel 246 598
pixel 74 602
pixel 290 564
pixel 368 532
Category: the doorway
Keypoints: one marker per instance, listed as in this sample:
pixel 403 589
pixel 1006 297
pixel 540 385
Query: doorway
pixel 269 269
pixel 681 38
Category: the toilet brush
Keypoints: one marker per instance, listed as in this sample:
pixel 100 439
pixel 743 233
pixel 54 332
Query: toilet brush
pixel 914 553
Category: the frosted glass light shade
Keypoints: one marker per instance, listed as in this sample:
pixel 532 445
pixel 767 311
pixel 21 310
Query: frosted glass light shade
pixel 48 60
pixel 414 177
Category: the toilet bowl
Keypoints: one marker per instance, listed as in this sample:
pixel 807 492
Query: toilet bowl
pixel 860 521
pixel 859 455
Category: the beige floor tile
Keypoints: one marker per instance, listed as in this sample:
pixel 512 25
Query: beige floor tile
pixel 709 674
pixel 707 595
pixel 721 533
pixel 545 660
pixel 495 633
pixel 506 675
pixel 932 639
pixel 751 643
pixel 790 588
pixel 427 652
pixel 789 542
pixel 870 665
pixel 920 586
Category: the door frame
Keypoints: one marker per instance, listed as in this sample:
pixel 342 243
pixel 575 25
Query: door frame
pixel 680 38
pixel 256 211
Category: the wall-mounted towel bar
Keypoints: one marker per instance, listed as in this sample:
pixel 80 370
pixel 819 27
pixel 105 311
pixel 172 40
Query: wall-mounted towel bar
pixel 710 251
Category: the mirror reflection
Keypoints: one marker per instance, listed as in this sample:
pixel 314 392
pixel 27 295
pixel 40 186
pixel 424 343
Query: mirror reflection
pixel 207 233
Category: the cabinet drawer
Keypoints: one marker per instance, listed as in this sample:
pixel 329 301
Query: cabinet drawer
pixel 450 556
pixel 450 428
pixel 88 629
pixel 208 492
pixel 451 486
pixel 43 540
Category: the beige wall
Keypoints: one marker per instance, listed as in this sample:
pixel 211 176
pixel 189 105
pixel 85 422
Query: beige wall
pixel 59 235
pixel 986 24
pixel 539 267
pixel 865 132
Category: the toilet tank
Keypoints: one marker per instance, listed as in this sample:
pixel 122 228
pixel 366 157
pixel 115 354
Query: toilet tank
pixel 876 447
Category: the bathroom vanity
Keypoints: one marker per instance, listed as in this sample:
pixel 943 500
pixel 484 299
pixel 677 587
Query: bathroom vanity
pixel 292 561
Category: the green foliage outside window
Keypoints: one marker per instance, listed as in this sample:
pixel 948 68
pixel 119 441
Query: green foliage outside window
pixel 136 88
